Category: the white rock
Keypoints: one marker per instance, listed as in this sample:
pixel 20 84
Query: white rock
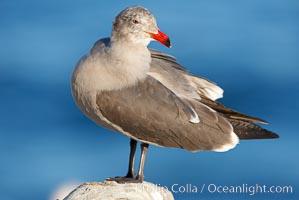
pixel 110 190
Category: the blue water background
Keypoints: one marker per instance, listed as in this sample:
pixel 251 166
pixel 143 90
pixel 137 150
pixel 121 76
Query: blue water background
pixel 250 48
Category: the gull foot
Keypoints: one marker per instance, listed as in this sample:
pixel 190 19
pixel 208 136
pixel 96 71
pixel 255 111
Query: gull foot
pixel 124 179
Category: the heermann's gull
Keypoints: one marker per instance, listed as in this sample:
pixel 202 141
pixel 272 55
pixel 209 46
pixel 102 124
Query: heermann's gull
pixel 146 95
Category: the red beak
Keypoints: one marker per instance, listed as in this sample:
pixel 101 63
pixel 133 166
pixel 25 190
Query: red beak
pixel 162 38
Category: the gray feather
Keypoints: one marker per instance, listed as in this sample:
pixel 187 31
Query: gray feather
pixel 152 113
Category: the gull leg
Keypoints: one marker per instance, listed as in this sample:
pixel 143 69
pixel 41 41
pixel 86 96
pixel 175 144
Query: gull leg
pixel 130 173
pixel 140 176
pixel 129 178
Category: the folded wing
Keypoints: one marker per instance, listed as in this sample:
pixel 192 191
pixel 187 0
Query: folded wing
pixel 152 113
pixel 202 93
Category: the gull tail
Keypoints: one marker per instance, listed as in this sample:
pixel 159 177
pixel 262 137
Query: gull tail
pixel 247 130
pixel 244 125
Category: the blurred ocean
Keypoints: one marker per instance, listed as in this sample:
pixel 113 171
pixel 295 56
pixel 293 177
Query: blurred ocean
pixel 250 48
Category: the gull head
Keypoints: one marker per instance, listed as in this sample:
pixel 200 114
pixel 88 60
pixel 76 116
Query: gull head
pixel 136 25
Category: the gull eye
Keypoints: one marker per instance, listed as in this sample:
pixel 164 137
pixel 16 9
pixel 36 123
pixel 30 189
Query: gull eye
pixel 135 21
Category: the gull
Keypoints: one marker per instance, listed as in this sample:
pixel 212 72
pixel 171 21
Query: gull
pixel 148 96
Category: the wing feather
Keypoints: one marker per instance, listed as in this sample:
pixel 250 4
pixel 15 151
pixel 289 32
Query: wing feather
pixel 201 94
pixel 151 113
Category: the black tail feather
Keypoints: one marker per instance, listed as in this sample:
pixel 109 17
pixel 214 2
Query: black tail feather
pixel 246 130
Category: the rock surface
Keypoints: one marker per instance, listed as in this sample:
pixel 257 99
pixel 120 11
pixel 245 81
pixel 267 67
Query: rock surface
pixel 110 190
